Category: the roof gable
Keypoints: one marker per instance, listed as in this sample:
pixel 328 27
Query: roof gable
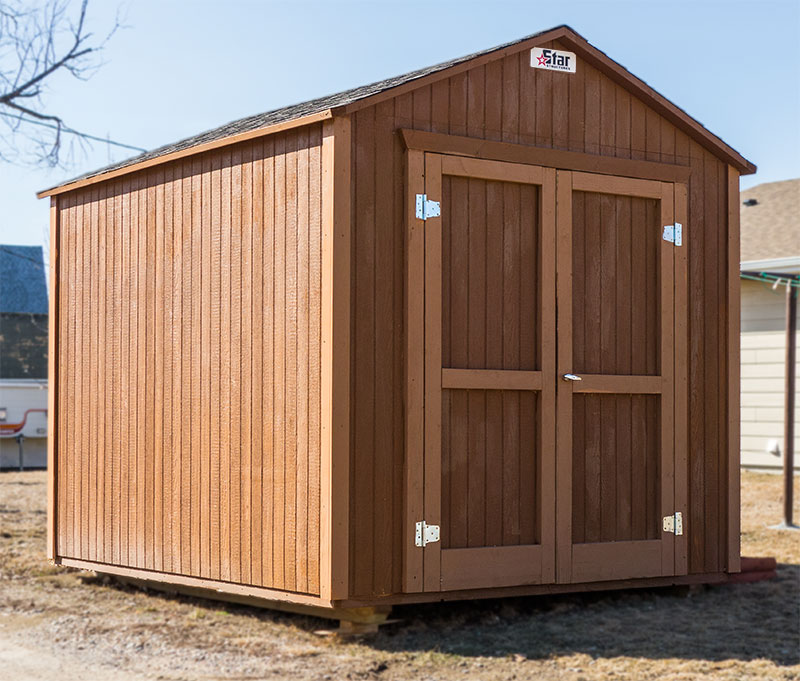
pixel 347 101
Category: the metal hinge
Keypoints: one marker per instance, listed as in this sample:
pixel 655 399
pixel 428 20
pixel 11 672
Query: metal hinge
pixel 426 208
pixel 426 534
pixel 674 523
pixel 674 234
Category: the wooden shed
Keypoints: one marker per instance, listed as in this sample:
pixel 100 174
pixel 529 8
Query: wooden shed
pixel 472 331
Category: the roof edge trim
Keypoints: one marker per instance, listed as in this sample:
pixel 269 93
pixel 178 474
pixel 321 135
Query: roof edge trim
pixel 189 151
pixel 790 262
pixel 658 102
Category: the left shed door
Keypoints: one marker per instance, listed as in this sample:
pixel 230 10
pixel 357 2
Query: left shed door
pixel 486 318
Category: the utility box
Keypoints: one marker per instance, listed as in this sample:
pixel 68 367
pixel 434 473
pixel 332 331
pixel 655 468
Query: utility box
pixel 468 332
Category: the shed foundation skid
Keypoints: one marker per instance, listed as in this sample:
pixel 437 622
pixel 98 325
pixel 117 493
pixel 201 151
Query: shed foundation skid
pixel 425 340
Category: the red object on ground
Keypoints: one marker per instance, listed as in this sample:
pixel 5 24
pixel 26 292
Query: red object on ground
pixel 755 570
pixel 747 577
pixel 758 564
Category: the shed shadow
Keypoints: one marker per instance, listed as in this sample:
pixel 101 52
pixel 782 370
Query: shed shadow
pixel 742 622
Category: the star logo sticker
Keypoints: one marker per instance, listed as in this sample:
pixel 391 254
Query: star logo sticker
pixel 542 60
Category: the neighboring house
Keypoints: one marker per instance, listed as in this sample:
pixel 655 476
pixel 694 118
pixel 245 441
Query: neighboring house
pixel 23 357
pixel 770 224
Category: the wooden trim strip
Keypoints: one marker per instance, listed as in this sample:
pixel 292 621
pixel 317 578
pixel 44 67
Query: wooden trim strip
pixel 491 379
pixel 619 186
pixel 189 151
pixel 502 171
pixel 616 560
pixel 335 361
pixel 681 401
pixel 549 351
pixel 432 563
pixel 491 567
pixel 564 390
pixel 655 100
pixel 199 582
pixel 52 383
pixel 618 385
pixel 415 373
pixel 734 336
pixel 537 589
pixel 667 343
pixel 551 158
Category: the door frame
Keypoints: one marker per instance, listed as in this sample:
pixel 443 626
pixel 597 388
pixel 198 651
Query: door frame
pixel 417 143
pixel 430 568
pixel 666 556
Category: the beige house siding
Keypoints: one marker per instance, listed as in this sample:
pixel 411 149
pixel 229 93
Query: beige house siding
pixel 763 358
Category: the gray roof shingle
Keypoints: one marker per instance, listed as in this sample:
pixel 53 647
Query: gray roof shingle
pixel 293 111
pixel 23 289
pixel 771 227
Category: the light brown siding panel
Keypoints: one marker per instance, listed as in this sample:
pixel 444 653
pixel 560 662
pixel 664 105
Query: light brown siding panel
pixel 177 338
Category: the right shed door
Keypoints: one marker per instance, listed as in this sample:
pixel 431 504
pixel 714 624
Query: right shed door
pixel 621 416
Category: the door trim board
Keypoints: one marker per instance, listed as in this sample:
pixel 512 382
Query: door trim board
pixel 420 140
pixel 490 566
pixel 490 379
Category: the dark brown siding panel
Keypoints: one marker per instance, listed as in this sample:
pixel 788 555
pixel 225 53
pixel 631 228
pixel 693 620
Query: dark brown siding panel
pixel 171 362
pixel 584 112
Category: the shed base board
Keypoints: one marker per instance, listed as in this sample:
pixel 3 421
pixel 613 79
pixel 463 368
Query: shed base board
pixel 367 611
pixel 361 620
pixel 215 589
pixel 538 590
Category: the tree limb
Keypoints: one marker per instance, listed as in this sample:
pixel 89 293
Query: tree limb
pixel 37 42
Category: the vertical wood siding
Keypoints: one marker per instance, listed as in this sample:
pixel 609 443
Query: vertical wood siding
pixel 616 248
pixel 189 366
pixel 616 438
pixel 490 313
pixel 508 100
pixel 616 444
pixel 490 455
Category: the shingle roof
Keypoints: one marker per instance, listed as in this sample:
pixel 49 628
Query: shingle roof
pixel 293 111
pixel 23 289
pixel 771 227
pixel 346 97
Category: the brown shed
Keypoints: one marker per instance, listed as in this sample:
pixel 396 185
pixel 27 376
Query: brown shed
pixel 468 332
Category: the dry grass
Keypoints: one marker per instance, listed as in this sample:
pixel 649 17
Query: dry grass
pixel 731 632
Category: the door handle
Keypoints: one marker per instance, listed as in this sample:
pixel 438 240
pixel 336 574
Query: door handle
pixel 572 377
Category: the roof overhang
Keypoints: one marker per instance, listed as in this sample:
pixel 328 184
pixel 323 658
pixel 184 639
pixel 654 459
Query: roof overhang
pixel 190 151
pixel 789 265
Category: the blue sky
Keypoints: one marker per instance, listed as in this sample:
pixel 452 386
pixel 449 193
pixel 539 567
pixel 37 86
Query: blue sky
pixel 180 67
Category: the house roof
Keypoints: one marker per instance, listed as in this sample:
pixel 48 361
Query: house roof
pixel 770 228
pixel 23 289
pixel 348 100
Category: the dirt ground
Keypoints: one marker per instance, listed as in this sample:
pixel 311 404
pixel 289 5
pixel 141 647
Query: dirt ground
pixel 56 623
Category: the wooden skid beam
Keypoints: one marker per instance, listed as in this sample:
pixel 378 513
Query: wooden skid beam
pixel 174 581
pixel 355 620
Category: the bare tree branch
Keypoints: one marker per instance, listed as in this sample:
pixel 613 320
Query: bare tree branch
pixel 38 41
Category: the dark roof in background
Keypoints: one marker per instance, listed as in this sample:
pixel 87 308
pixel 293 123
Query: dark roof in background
pixel 23 288
pixel 771 227
pixel 293 111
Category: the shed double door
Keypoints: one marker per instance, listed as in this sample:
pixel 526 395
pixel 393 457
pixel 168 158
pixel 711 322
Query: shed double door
pixel 532 478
